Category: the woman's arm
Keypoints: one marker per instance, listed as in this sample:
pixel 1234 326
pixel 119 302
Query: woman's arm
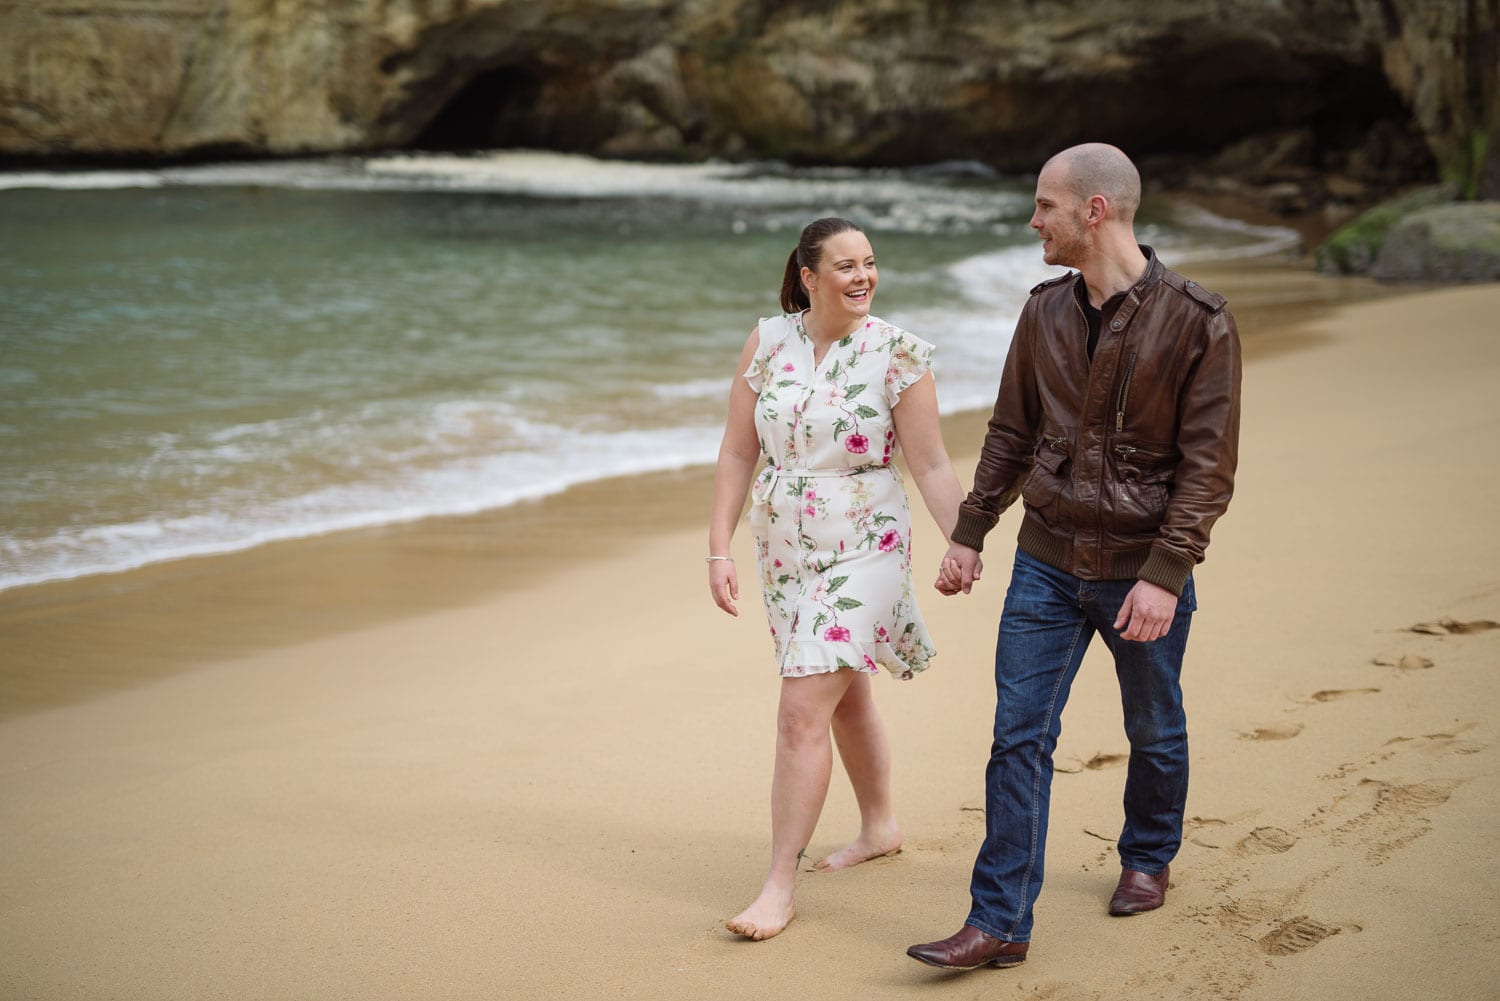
pixel 739 453
pixel 921 437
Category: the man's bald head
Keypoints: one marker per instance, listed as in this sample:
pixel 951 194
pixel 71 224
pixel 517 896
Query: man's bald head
pixel 1100 169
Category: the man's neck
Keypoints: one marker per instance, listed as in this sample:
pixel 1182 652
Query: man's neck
pixel 1112 270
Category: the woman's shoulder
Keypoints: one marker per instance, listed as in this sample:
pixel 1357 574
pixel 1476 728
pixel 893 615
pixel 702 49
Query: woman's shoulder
pixel 894 337
pixel 776 330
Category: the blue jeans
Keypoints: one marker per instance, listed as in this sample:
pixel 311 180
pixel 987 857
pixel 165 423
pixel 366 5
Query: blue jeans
pixel 1049 618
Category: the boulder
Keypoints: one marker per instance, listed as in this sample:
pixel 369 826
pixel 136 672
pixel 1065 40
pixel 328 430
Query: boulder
pixel 1459 242
pixel 1353 248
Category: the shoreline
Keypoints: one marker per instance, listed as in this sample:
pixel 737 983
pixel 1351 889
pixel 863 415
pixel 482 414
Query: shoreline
pixel 80 638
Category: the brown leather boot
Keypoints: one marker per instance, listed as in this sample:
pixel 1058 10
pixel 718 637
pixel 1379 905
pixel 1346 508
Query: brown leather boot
pixel 969 949
pixel 1139 892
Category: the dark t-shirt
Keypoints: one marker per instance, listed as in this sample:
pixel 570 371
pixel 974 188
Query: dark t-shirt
pixel 1095 320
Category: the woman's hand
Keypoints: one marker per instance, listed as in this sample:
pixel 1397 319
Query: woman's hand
pixel 724 585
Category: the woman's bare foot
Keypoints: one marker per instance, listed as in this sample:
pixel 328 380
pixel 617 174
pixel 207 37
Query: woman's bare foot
pixel 772 911
pixel 862 849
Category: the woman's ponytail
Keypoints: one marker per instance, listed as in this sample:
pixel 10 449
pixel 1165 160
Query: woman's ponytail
pixel 793 295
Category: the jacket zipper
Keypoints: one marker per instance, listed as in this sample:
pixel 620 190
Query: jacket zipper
pixel 1088 362
pixel 1124 393
pixel 1127 452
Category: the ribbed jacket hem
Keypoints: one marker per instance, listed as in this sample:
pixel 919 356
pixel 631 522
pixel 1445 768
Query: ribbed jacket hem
pixel 1035 540
pixel 1158 566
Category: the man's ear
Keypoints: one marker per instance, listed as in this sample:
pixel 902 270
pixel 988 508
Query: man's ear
pixel 1098 209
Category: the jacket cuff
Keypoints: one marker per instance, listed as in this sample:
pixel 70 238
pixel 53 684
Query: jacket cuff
pixel 1166 569
pixel 971 529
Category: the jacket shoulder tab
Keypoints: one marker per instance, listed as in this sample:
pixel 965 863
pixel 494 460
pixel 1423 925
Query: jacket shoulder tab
pixel 1053 281
pixel 1211 301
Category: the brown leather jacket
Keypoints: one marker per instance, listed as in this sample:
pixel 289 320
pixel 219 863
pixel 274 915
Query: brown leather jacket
pixel 1125 462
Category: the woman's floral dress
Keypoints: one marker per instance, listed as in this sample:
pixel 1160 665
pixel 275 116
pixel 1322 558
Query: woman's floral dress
pixel 830 517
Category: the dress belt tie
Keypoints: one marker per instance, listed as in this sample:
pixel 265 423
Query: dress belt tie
pixel 765 483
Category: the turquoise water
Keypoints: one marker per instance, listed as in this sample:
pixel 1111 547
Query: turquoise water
pixel 204 359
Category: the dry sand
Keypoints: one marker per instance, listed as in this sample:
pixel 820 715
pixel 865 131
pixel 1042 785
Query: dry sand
pixel 524 756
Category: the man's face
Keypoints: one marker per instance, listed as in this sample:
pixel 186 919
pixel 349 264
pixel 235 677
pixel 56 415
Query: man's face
pixel 1059 220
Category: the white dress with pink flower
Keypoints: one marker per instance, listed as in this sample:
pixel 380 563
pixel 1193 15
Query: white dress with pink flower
pixel 830 516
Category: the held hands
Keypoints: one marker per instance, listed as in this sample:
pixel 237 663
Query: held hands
pixel 1149 609
pixel 960 570
pixel 1146 614
pixel 724 585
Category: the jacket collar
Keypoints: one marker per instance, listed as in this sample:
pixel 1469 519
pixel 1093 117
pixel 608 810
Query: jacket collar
pixel 1120 307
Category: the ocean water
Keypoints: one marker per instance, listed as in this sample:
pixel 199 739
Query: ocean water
pixel 204 359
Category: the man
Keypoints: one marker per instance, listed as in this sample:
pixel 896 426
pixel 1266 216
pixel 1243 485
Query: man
pixel 1117 423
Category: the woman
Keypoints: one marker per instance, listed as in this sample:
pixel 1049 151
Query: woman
pixel 828 393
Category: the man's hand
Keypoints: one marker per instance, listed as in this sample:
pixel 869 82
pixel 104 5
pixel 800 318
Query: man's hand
pixel 1148 610
pixel 960 570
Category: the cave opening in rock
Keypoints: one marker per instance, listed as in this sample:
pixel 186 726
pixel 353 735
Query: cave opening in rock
pixel 495 109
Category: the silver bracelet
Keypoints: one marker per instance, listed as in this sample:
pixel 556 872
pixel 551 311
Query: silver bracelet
pixel 710 559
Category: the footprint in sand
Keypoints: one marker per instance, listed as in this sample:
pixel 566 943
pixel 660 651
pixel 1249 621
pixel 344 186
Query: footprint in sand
pixel 1429 744
pixel 1102 760
pixel 1452 627
pixel 1332 694
pixel 1393 816
pixel 1281 731
pixel 1296 935
pixel 1206 832
pixel 1406 662
pixel 1260 918
pixel 1433 744
pixel 1265 841
pixel 1258 915
pixel 1242 914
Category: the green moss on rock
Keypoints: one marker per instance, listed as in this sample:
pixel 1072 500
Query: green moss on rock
pixel 1353 248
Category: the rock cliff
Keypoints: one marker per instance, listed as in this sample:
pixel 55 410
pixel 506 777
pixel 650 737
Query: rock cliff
pixel 1375 91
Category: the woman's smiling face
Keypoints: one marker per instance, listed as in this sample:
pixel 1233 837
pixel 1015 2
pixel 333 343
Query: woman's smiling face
pixel 845 279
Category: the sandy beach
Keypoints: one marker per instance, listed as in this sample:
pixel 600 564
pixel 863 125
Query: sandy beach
pixel 522 755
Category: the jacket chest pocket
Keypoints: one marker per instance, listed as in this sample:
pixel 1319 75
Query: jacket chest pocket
pixel 1050 472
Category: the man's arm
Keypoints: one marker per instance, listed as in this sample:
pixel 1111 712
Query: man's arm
pixel 1008 443
pixel 1208 440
